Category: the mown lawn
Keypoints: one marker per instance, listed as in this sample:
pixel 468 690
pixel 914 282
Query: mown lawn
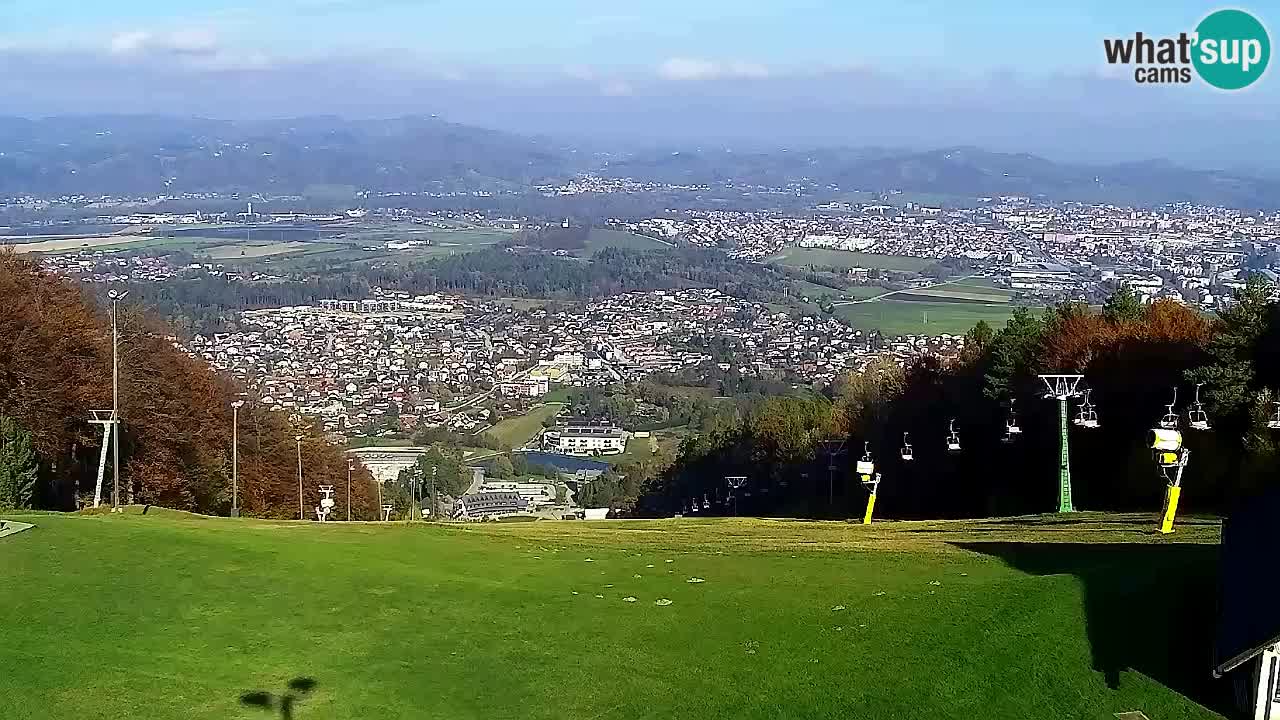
pixel 520 429
pixel 174 616
pixel 906 317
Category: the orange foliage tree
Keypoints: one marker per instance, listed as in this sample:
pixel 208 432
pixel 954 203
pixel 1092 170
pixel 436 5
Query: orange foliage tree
pixel 175 411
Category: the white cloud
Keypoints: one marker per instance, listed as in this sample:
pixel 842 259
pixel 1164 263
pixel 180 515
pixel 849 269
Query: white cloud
pixel 697 69
pixel 192 48
pixel 189 41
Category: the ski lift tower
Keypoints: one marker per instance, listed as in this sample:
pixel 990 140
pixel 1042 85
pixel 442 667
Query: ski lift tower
pixel 107 419
pixel 1062 388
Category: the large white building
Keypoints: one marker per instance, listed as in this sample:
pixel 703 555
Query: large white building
pixel 586 437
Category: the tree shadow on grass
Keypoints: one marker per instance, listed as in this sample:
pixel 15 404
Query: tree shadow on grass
pixel 283 703
pixel 1148 608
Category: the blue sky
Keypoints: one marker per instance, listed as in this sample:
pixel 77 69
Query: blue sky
pixel 801 33
pixel 1010 75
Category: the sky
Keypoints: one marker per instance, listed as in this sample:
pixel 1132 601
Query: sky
pixel 1009 76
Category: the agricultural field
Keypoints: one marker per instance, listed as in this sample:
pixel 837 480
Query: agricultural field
pixel 520 429
pixel 169 615
pixel 72 244
pixel 256 250
pixel 894 316
pixel 600 238
pixel 794 256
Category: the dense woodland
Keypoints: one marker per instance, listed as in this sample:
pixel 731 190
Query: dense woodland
pixel 176 416
pixel 798 452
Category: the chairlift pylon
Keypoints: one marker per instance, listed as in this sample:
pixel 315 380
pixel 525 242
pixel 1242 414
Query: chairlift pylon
pixel 953 439
pixel 908 455
pixel 1196 416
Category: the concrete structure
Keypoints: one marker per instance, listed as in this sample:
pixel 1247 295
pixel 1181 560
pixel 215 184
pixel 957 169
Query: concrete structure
pixel 385 463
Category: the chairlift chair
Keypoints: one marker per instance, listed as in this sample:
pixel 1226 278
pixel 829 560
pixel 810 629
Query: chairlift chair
pixel 1086 417
pixel 1170 419
pixel 908 455
pixel 1274 422
pixel 866 465
pixel 1196 416
pixel 953 439
pixel 1012 427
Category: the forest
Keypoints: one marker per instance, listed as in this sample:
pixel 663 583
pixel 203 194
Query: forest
pixel 175 415
pixel 798 452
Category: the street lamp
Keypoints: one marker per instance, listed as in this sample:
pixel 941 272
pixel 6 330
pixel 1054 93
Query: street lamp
pixel 298 439
pixel 351 465
pixel 116 296
pixel 434 505
pixel 235 457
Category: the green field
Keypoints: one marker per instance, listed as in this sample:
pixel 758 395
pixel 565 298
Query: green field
pixel 173 616
pixel 904 317
pixel 520 429
pixel 826 257
pixel 600 238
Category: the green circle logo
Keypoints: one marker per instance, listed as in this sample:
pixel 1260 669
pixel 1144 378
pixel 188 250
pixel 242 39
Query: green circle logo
pixel 1232 49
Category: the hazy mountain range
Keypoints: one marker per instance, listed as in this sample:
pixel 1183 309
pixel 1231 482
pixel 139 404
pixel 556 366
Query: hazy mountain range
pixel 149 155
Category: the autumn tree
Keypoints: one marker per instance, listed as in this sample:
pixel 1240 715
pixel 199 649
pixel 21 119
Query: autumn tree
pixel 176 416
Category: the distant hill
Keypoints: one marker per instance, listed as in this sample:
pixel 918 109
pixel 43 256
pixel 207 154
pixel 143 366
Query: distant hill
pixel 151 155
pixel 144 155
pixel 963 172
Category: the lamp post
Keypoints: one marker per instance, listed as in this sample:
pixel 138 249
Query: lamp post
pixel 435 508
pixel 378 482
pixel 235 457
pixel 298 439
pixel 116 297
pixel 351 465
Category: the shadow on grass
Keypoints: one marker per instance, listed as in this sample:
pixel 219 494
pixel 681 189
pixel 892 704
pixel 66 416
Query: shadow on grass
pixel 284 703
pixel 1148 608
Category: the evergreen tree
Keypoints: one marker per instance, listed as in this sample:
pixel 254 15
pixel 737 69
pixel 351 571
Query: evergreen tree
pixel 1123 306
pixel 1012 351
pixel 18 465
pixel 1230 377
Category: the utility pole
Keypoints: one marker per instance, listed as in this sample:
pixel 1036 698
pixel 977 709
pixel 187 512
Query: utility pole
pixel 235 457
pixel 351 465
pixel 116 297
pixel 298 439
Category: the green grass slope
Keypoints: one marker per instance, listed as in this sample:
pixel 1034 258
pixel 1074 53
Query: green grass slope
pixel 172 616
